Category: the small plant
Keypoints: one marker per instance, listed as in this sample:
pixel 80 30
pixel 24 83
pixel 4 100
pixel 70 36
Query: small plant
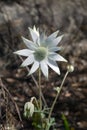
pixel 42 53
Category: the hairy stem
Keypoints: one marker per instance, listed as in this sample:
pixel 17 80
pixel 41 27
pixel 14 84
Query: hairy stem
pixel 58 93
pixel 40 92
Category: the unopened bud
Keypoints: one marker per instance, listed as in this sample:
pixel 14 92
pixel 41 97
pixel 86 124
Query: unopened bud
pixel 70 68
pixel 57 89
pixel 28 109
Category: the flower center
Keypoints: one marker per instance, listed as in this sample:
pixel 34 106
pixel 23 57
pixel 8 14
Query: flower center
pixel 40 53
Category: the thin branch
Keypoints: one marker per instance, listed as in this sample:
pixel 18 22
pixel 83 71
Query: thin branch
pixel 11 97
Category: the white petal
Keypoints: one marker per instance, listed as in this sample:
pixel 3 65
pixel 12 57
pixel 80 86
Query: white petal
pixel 57 57
pixel 42 38
pixel 24 52
pixel 50 39
pixel 35 66
pixel 57 40
pixel 34 34
pixel 28 61
pixel 36 30
pixel 44 68
pixel 54 48
pixel 52 36
pixel 29 44
pixel 47 43
pixel 53 65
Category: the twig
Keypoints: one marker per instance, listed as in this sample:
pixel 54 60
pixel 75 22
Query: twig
pixel 11 97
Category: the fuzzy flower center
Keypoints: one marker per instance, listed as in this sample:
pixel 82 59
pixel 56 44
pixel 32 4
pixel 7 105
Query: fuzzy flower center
pixel 40 53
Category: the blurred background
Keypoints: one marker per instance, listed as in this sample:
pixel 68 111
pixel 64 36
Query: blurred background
pixel 68 16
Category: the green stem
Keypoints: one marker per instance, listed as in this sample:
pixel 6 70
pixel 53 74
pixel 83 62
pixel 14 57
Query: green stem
pixel 40 92
pixel 58 93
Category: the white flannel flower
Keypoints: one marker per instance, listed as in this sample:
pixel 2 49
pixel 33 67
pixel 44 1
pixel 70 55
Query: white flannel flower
pixel 41 52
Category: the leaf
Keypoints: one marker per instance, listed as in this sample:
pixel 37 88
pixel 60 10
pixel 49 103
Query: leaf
pixel 66 123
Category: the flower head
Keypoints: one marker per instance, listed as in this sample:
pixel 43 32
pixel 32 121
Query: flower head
pixel 70 68
pixel 41 51
pixel 28 109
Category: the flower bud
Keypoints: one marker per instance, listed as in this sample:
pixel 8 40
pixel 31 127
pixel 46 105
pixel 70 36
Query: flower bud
pixel 70 68
pixel 28 109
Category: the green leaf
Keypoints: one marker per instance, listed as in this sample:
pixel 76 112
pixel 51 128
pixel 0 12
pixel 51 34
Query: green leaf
pixel 66 123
